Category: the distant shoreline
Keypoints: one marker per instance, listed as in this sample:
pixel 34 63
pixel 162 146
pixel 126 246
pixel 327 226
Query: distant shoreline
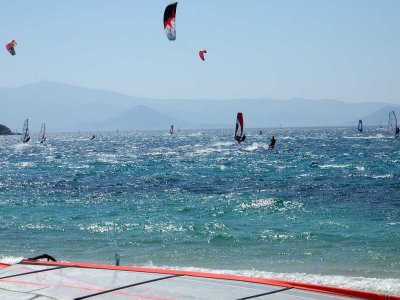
pixel 4 130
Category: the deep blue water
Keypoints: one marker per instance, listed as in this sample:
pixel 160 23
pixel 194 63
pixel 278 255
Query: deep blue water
pixel 324 206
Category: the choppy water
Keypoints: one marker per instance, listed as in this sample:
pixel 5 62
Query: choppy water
pixel 323 207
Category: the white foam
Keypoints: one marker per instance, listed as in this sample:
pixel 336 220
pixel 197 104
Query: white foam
pixel 222 144
pixel 102 227
pixel 381 285
pixel 333 166
pixel 259 203
pixel 382 176
pixel 252 147
pixel 11 260
pixel 41 227
pixel 367 137
pixel 26 164
pixel 108 158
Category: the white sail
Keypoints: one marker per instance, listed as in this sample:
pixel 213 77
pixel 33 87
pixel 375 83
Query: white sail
pixel 25 132
pixel 42 134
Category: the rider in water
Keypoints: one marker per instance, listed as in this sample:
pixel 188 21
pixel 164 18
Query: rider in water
pixel 272 143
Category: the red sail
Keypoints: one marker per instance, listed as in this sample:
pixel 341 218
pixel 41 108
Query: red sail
pixel 239 127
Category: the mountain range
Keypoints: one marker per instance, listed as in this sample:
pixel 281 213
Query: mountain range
pixel 70 108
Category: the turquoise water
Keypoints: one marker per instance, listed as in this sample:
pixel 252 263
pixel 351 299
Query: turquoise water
pixel 323 207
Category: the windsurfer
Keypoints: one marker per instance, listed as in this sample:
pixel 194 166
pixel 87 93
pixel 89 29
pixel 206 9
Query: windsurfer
pixel 397 131
pixel 93 137
pixel 243 138
pixel 272 143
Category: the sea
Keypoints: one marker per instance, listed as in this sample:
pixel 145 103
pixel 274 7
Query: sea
pixel 322 207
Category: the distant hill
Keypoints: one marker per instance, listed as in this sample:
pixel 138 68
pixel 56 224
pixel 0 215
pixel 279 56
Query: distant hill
pixel 380 117
pixel 70 108
pixel 62 107
pixel 141 117
pixel 4 130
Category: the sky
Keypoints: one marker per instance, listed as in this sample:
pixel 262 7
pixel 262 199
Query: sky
pixel 347 50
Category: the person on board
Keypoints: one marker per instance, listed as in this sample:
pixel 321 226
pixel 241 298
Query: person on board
pixel 243 138
pixel 93 137
pixel 272 143
pixel 397 131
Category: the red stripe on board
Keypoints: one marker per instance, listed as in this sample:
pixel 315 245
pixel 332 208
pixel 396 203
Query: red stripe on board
pixel 2 265
pixel 284 283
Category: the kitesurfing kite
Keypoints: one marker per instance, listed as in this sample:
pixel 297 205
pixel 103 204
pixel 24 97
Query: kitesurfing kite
pixel 10 46
pixel 201 53
pixel 239 136
pixel 169 21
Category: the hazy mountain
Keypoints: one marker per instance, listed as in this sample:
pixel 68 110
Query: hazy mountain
pixel 4 130
pixel 70 108
pixel 142 117
pixel 63 107
pixel 380 117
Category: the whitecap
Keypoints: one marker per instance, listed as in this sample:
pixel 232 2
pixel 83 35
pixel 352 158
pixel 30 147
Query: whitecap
pixel 26 164
pixel 10 260
pixel 381 285
pixel 333 166
pixel 382 176
pixel 259 203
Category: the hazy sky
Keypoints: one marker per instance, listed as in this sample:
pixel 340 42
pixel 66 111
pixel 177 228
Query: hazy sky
pixel 340 49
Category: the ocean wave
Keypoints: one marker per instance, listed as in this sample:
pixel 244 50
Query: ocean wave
pixel 380 285
pixel 334 166
pixel 26 164
pixel 103 227
pixel 166 228
pixel 41 227
pixel 222 144
pixel 11 260
pixel 366 137
pixel 259 203
pixel 252 147
pixel 382 176
pixel 222 239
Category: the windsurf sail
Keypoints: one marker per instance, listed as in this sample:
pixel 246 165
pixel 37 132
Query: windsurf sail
pixel 239 128
pixel 25 132
pixel 171 130
pixel 393 127
pixel 169 21
pixel 360 126
pixel 42 134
